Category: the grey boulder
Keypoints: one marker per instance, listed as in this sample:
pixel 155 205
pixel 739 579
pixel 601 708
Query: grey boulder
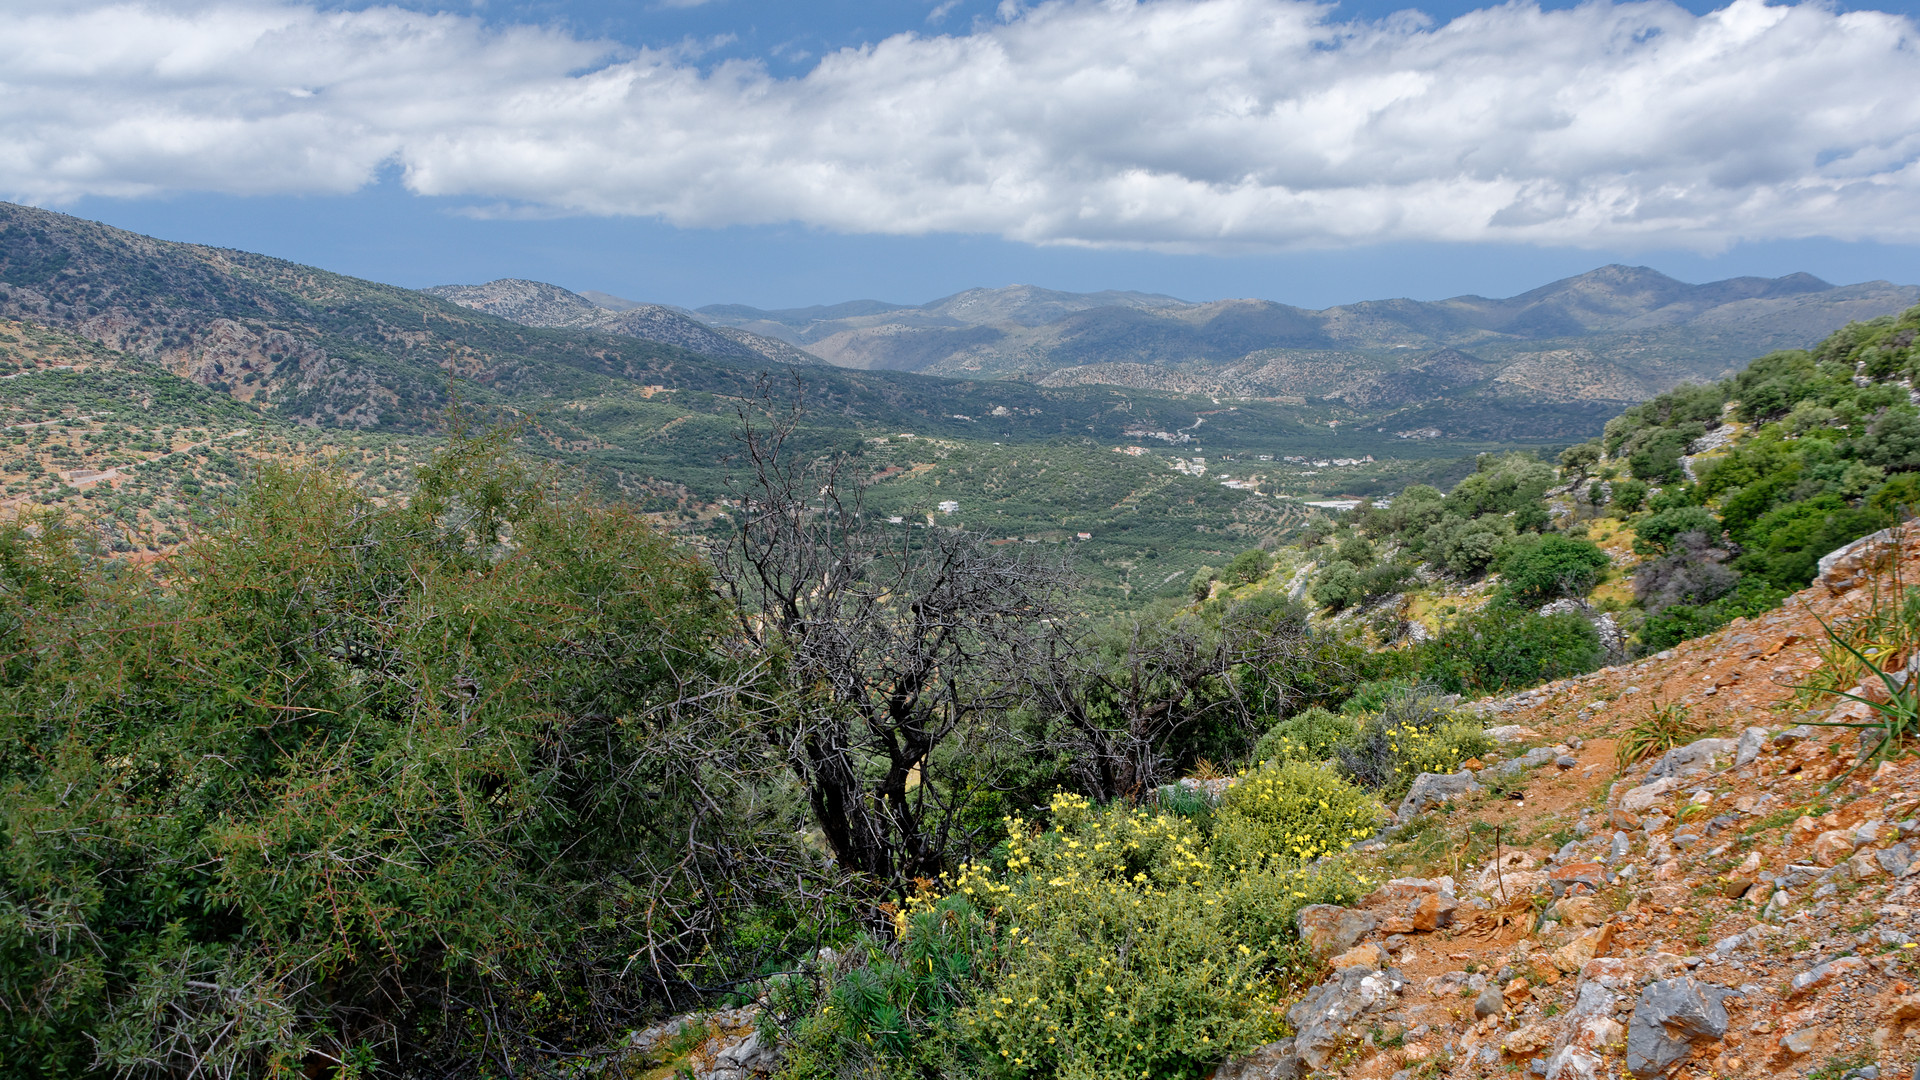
pixel 1691 758
pixel 1432 789
pixel 1670 1016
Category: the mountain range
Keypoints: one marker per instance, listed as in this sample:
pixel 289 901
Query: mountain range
pixel 1021 362
pixel 1614 335
pixel 1154 435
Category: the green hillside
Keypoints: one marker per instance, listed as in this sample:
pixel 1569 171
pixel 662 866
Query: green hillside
pixel 271 360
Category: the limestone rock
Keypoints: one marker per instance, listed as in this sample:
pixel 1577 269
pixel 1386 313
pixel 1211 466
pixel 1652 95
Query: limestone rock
pixel 1832 847
pixel 1530 1039
pixel 1801 1042
pixel 1432 789
pixel 750 1058
pixel 1897 859
pixel 1573 956
pixel 1322 1020
pixel 1735 882
pixel 1367 955
pixel 1578 911
pixel 1843 568
pixel 1752 741
pixel 1643 798
pixel 1575 879
pixel 1821 974
pixel 1517 992
pixel 1669 1017
pixel 1692 758
pixel 1574 1063
pixel 1329 928
pixel 1274 1061
pixel 1489 1003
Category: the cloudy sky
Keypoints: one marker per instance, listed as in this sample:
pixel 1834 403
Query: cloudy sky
pixel 782 153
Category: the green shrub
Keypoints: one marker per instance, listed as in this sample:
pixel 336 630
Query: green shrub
pixel 1248 567
pixel 1466 548
pixel 1537 570
pixel 1653 534
pixel 1109 946
pixel 343 761
pixel 1294 810
pixel 1629 495
pixel 1500 648
pixel 892 1014
pixel 1372 696
pixel 1785 545
pixel 1338 586
pixel 1676 623
pixel 1310 735
pixel 1658 457
pixel 1414 733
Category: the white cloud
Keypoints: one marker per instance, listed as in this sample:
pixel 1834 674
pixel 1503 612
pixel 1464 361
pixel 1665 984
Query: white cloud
pixel 1177 124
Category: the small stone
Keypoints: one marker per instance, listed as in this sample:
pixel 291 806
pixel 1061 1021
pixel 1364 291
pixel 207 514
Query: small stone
pixel 1588 944
pixel 1566 761
pixel 1624 819
pixel 1489 1003
pixel 1801 1042
pixel 1368 955
pixel 1735 883
pixel 1751 742
pixel 1530 1039
pixel 1579 911
pixel 1832 847
pixel 1821 974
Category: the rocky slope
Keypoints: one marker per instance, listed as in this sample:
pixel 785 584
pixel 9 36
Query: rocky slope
pixel 1741 905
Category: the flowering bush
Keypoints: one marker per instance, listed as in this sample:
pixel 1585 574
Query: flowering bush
pixel 1308 736
pixel 1415 733
pixel 1111 945
pixel 1292 812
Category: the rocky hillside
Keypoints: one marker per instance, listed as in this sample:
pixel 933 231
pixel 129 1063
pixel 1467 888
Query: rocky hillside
pixel 1738 906
pixel 1734 900
pixel 535 303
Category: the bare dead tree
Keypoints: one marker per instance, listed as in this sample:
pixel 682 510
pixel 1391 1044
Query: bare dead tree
pixel 891 654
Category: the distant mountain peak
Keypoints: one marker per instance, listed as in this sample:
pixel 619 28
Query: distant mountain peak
pixel 538 303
